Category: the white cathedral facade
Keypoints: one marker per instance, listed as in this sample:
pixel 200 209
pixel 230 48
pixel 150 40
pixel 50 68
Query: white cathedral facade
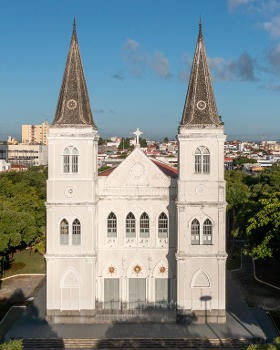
pixel 142 236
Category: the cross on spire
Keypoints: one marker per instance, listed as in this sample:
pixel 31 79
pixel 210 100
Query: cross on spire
pixel 138 133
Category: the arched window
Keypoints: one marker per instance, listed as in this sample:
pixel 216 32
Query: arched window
pixel 162 226
pixel 144 225
pixel 64 232
pixel 130 225
pixel 66 160
pixel 76 232
pixel 75 160
pixel 112 225
pixel 70 160
pixel 195 232
pixel 202 160
pixel 207 232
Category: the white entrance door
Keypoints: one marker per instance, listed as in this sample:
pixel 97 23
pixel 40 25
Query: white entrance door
pixel 111 293
pixel 137 292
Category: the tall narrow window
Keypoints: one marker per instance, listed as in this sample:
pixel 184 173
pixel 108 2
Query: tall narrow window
pixel 162 226
pixel 64 232
pixel 66 160
pixel 202 160
pixel 207 232
pixel 112 225
pixel 70 160
pixel 130 226
pixel 75 159
pixel 144 226
pixel 195 232
pixel 76 232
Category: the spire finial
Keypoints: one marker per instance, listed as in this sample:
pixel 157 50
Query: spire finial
pixel 74 23
pixel 200 27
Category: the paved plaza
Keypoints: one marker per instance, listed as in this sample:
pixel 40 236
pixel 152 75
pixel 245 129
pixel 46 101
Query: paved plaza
pixel 242 322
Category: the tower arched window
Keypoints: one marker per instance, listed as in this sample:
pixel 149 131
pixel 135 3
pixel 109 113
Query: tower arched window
pixel 130 225
pixel 162 226
pixel 112 225
pixel 76 232
pixel 202 160
pixel 64 232
pixel 70 160
pixel 195 232
pixel 207 232
pixel 144 225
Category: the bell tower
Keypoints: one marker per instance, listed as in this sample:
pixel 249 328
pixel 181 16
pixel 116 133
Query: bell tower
pixel 71 198
pixel 201 205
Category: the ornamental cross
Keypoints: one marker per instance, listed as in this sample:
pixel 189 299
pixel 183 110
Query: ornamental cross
pixel 138 133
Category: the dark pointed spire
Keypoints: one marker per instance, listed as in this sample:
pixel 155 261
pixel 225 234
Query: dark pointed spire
pixel 200 106
pixel 73 107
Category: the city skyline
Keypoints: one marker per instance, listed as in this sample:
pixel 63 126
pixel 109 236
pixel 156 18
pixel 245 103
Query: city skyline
pixel 136 71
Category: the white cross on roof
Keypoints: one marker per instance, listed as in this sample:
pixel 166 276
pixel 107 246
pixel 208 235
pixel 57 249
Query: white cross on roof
pixel 138 133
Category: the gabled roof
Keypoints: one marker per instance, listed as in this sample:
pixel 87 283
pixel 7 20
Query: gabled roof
pixel 166 169
pixel 200 106
pixel 73 107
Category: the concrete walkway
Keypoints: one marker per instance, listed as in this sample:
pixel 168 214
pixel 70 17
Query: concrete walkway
pixel 242 322
pixel 256 293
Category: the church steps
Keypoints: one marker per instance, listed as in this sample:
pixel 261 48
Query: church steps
pixel 138 343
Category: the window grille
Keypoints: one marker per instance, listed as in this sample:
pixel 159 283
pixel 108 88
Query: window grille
pixel 130 226
pixel 163 226
pixel 112 225
pixel 76 232
pixel 202 160
pixel 144 226
pixel 195 232
pixel 207 232
pixel 64 232
pixel 70 160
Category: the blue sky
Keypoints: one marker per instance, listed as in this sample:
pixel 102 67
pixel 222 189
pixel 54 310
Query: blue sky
pixel 137 56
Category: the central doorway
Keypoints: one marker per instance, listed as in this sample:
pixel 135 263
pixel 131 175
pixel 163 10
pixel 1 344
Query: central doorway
pixel 137 293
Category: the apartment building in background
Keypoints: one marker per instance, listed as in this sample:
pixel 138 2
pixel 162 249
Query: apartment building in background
pixel 35 134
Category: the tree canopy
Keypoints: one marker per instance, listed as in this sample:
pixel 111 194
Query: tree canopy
pixel 22 209
pixel 253 211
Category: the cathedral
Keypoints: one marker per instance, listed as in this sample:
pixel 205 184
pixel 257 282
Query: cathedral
pixel 142 240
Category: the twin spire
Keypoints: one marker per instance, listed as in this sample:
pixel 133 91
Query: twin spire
pixel 200 106
pixel 73 106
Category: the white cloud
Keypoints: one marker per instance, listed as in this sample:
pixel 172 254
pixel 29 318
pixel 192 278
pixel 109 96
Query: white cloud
pixel 242 69
pixel 232 4
pixel 131 45
pixel 273 27
pixel 273 57
pixel 160 65
pixel 138 59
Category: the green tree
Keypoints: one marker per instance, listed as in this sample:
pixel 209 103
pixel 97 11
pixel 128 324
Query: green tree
pixel 101 141
pixel 242 160
pixel 263 231
pixel 165 140
pixel 143 142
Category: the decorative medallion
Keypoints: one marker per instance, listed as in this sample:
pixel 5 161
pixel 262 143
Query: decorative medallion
pixel 201 105
pixel 111 269
pixel 137 170
pixel 69 192
pixel 200 189
pixel 71 104
pixel 162 269
pixel 137 269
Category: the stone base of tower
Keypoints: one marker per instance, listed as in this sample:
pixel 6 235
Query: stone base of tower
pixel 201 316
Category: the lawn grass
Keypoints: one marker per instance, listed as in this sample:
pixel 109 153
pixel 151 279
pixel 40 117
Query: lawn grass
pixel 234 259
pixel 25 261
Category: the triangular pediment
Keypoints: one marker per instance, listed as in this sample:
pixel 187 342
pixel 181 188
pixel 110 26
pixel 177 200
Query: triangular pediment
pixel 137 170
